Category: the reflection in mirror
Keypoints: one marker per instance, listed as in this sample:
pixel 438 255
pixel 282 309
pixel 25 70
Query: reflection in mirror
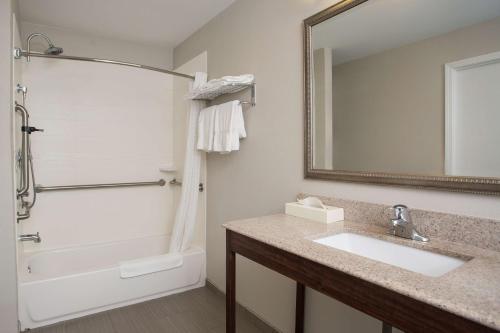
pixel 408 87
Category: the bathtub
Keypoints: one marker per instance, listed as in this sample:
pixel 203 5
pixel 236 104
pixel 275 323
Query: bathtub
pixel 62 284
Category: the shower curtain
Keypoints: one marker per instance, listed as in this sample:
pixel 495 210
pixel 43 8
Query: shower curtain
pixel 185 217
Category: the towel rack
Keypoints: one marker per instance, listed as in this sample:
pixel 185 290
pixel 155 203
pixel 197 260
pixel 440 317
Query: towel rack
pixel 40 188
pixel 230 88
pixel 253 97
pixel 175 182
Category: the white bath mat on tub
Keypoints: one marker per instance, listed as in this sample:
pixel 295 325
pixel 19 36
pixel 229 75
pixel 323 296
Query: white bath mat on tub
pixel 142 266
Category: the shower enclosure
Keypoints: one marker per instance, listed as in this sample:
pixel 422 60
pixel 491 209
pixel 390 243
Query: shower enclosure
pixel 94 188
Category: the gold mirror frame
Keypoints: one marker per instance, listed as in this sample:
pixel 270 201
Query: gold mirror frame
pixel 450 183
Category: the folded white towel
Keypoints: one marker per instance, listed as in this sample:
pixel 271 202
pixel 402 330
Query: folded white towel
pixel 149 265
pixel 200 78
pixel 243 79
pixel 229 127
pixel 206 122
pixel 216 84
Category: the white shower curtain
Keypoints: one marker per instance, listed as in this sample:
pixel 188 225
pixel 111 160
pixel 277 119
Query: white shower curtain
pixel 185 217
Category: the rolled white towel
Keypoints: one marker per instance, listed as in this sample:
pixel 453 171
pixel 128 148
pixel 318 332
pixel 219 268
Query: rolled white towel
pixel 216 84
pixel 243 79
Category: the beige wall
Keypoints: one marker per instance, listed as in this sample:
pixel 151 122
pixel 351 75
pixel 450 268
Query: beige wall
pixel 392 103
pixel 265 38
pixel 78 44
pixel 8 274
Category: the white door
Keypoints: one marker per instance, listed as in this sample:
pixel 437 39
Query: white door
pixel 473 117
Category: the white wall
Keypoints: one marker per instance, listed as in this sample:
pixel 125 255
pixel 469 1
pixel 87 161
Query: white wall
pixel 78 44
pixel 17 121
pixel 103 124
pixel 8 274
pixel 265 38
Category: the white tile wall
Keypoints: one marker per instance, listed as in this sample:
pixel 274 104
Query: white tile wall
pixel 103 123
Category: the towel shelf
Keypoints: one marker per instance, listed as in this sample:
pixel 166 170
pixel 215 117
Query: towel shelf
pixel 229 89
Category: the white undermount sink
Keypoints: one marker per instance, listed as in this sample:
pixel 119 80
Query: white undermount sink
pixel 419 261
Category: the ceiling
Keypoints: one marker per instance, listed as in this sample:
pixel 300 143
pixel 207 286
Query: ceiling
pixel 378 25
pixel 153 22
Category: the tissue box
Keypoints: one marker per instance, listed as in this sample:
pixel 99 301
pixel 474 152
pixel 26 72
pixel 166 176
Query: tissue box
pixel 328 215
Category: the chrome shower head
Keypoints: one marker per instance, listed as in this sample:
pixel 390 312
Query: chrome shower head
pixel 52 50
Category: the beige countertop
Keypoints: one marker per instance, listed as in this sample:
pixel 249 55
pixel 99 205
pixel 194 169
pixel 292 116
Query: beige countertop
pixel 471 291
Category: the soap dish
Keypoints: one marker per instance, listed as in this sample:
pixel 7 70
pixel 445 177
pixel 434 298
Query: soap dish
pixel 168 168
pixel 328 214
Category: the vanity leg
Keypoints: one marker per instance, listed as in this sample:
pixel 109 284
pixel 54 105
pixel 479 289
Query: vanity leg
pixel 230 286
pixel 300 300
pixel 386 328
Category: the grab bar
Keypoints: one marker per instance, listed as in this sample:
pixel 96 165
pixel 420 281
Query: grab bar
pixel 40 188
pixel 175 182
pixel 25 178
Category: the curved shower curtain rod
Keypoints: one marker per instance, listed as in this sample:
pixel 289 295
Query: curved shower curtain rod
pixel 22 53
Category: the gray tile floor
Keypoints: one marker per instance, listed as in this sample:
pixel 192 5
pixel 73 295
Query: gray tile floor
pixel 196 311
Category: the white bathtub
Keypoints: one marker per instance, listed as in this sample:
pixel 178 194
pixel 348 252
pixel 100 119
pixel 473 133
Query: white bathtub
pixel 69 283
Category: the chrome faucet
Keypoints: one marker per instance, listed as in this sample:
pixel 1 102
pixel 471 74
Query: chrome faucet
pixel 30 237
pixel 402 226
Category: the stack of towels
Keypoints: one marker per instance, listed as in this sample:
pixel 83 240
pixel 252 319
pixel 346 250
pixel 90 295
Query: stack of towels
pixel 215 85
pixel 220 128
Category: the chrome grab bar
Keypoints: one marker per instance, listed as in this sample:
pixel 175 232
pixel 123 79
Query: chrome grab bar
pixel 25 179
pixel 175 182
pixel 40 188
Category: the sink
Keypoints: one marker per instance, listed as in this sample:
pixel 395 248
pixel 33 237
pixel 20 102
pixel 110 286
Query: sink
pixel 415 260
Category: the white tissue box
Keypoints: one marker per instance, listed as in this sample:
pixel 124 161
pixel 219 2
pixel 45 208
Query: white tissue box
pixel 328 214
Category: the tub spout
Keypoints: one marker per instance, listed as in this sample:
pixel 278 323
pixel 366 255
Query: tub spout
pixel 30 237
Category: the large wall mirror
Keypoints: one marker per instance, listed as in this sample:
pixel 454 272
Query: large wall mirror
pixel 405 92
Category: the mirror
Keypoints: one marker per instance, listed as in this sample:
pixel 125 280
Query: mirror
pixel 405 92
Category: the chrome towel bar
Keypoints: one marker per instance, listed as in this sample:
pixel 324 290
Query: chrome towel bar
pixel 40 188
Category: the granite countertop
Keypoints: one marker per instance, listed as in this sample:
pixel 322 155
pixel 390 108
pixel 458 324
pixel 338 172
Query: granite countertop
pixel 471 291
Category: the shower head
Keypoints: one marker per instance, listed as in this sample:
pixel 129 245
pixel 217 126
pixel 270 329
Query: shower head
pixel 52 50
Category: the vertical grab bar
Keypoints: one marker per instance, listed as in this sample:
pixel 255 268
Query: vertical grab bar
pixel 25 182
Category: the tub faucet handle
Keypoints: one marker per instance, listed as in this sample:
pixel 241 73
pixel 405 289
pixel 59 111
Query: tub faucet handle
pixel 31 129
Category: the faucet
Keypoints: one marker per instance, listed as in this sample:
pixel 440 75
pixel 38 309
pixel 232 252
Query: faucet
pixel 402 226
pixel 30 237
